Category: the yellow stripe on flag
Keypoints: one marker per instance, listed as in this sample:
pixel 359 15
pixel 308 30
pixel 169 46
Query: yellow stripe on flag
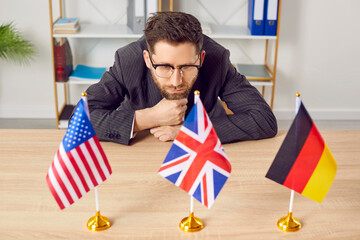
pixel 322 177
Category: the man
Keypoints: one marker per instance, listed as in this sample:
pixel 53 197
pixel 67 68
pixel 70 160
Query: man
pixel 151 85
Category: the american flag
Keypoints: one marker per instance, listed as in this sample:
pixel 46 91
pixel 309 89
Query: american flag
pixel 196 162
pixel 80 163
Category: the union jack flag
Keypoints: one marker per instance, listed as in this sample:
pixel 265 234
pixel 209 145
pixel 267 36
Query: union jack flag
pixel 196 162
pixel 80 163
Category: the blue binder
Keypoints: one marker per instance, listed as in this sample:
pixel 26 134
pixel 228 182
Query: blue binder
pixel 271 16
pixel 256 17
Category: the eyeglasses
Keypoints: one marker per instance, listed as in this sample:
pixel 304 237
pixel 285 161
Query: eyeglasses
pixel 165 70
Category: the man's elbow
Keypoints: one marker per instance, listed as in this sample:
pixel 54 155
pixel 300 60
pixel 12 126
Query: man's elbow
pixel 272 128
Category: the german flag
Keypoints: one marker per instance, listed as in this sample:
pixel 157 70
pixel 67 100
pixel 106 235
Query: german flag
pixel 304 162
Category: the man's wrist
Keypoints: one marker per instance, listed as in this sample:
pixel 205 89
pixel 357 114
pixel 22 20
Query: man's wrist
pixel 144 119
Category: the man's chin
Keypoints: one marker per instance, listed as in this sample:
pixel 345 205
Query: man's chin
pixel 174 96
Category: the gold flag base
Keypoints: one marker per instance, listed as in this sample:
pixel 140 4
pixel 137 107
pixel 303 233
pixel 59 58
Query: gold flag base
pixel 191 224
pixel 289 223
pixel 98 223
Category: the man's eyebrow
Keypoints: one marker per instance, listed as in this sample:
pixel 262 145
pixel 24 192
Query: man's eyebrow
pixel 185 64
pixel 168 64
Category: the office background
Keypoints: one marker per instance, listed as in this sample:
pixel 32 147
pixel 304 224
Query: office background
pixel 318 53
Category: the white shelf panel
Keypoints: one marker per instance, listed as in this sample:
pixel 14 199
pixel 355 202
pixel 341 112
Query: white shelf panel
pixel 234 32
pixel 83 82
pixel 101 31
pixel 254 71
pixel 123 31
pixel 261 83
pixel 80 82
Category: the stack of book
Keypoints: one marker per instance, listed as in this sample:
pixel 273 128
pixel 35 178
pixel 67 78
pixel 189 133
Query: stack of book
pixel 66 25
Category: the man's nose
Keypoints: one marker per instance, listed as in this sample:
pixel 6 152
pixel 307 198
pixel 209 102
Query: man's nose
pixel 176 78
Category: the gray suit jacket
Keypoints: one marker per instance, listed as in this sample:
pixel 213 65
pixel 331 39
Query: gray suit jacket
pixel 128 86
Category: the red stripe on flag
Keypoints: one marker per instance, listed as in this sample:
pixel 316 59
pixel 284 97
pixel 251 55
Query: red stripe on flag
pixel 68 175
pixel 306 161
pixel 189 142
pixel 205 191
pixel 95 160
pixel 96 140
pixel 78 171
pixel 174 163
pixel 205 119
pixel 54 193
pixel 86 164
pixel 62 185
pixel 207 151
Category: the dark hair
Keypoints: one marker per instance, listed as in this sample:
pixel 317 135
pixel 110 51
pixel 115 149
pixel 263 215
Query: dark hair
pixel 175 27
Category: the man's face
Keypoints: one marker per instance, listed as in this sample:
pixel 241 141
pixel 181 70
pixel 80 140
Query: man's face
pixel 177 85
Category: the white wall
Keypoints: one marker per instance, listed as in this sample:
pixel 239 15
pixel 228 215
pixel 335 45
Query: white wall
pixel 318 55
pixel 27 91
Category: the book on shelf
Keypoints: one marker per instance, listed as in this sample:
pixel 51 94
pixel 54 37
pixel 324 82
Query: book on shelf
pixel 83 72
pixel 67 30
pixel 63 60
pixel 66 23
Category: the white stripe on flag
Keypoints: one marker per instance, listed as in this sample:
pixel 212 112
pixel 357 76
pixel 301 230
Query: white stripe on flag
pixel 71 169
pixel 65 179
pixel 201 122
pixel 82 168
pixel 209 183
pixel 57 188
pixel 99 157
pixel 91 163
pixel 219 149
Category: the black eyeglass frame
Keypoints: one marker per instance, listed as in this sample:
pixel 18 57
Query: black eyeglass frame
pixel 173 68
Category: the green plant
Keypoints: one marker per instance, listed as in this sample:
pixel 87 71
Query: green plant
pixel 13 46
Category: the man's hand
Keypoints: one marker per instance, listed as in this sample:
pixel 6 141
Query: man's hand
pixel 165 113
pixel 165 133
pixel 170 112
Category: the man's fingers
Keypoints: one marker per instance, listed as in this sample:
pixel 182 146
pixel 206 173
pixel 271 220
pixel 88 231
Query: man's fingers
pixel 164 138
pixel 182 101
pixel 154 130
pixel 161 135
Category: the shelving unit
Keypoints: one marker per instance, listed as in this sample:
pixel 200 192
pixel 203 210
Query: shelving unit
pixel 99 31
pixel 262 75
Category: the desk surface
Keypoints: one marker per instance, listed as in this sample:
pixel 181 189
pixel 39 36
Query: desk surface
pixel 143 205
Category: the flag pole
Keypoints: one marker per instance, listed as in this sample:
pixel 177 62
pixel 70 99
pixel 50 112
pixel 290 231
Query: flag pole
pixel 97 222
pixel 191 223
pixel 289 223
pixel 96 200
pixel 191 204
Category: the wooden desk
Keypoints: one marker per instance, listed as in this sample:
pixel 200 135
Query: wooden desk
pixel 143 205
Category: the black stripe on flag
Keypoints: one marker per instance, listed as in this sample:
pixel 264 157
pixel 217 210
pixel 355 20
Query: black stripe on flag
pixel 291 146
